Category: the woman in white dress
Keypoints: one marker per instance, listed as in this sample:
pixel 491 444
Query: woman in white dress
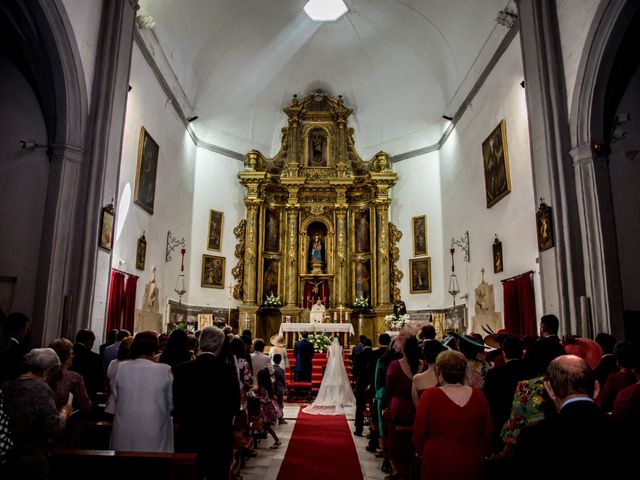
pixel 335 390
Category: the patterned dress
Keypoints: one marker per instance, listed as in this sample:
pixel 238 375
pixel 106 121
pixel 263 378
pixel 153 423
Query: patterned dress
pixel 527 409
pixel 269 409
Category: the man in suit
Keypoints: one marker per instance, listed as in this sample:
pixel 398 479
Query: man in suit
pixel 88 364
pixel 303 351
pixel 111 351
pixel 501 382
pixel 581 441
pixel 14 331
pixel 361 373
pixel 206 397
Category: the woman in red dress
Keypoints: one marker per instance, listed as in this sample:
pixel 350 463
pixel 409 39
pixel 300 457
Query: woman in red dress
pixel 453 425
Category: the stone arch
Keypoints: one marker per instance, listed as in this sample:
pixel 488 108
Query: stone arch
pixel 589 134
pixel 44 48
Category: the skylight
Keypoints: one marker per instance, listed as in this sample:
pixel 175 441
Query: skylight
pixel 325 10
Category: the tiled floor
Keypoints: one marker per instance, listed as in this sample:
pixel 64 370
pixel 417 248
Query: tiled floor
pixel 267 463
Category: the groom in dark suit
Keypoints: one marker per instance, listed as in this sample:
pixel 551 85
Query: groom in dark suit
pixel 303 351
pixel 206 397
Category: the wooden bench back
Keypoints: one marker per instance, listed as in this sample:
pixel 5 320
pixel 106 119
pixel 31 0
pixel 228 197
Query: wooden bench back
pixel 70 464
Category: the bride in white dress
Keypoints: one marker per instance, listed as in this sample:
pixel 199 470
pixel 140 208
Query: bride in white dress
pixel 335 390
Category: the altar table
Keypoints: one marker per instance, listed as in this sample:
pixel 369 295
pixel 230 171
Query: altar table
pixel 291 331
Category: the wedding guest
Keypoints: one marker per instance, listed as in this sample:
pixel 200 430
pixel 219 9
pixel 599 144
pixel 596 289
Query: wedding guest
pixel 124 353
pixel 626 407
pixel 452 429
pixel 177 349
pixel 581 441
pixel 110 340
pixel 259 360
pixel 33 417
pixel 269 409
pixel 12 355
pixel 529 402
pixel 279 347
pixel 63 381
pixel 616 381
pixel 280 384
pixel 608 362
pixel 142 400
pixel 88 364
pixel 206 399
pixel 245 377
pixel 399 381
pixel 428 378
pixel 111 351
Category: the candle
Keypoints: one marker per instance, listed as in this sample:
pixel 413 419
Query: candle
pixel 335 316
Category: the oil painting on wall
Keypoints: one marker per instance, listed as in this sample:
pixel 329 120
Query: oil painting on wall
pixel 145 190
pixel 496 165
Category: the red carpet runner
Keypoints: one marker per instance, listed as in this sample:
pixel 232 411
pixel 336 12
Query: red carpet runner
pixel 321 447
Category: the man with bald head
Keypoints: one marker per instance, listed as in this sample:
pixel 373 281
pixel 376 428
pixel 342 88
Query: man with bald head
pixel 206 397
pixel 580 441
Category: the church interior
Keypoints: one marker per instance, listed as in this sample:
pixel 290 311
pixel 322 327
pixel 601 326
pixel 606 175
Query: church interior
pixel 279 168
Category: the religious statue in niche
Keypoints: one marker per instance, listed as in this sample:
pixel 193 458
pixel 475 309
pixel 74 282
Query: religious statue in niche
pixel 270 281
pixel 317 260
pixel 317 148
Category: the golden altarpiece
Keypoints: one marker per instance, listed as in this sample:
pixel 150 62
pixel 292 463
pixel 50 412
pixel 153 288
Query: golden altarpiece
pixel 317 226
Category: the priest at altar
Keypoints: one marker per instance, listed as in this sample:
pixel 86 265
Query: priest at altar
pixel 317 312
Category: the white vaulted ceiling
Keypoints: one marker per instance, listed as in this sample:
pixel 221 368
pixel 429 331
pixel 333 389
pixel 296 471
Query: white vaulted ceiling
pixel 400 64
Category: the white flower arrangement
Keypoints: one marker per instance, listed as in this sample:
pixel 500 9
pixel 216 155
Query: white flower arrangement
pixel 396 324
pixel 320 342
pixel 272 301
pixel 360 302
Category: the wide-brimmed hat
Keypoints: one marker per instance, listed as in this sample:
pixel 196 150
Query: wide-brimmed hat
pixel 277 340
pixel 585 348
pixel 495 339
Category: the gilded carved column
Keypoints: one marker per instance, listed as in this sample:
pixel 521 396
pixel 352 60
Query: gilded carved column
pixel 292 257
pixel 384 289
pixel 251 254
pixel 342 266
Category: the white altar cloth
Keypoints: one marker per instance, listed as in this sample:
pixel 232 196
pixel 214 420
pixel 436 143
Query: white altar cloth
pixel 316 327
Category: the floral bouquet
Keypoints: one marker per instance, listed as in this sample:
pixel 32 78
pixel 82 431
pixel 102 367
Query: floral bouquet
pixel 361 303
pixel 320 342
pixel 272 301
pixel 396 324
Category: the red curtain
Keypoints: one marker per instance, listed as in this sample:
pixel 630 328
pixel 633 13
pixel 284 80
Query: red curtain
pixel 116 300
pixel 129 303
pixel 519 305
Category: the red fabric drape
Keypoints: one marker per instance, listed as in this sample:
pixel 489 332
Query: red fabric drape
pixel 129 306
pixel 116 300
pixel 519 305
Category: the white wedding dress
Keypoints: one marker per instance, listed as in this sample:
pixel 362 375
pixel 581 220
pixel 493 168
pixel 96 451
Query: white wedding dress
pixel 335 390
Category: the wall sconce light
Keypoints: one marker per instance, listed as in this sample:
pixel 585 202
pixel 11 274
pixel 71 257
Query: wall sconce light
pixel 522 83
pixel 447 117
pixel 191 119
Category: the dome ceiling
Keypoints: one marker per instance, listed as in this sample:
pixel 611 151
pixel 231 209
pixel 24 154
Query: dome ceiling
pixel 400 64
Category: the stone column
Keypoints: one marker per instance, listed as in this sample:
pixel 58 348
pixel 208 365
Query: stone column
pixel 342 265
pixel 291 256
pixel 251 253
pixel 382 245
pixel 602 277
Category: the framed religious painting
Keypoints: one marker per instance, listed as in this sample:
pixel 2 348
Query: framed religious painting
pixel 214 234
pixel 145 190
pixel 272 230
pixel 420 275
pixel 212 271
pixel 495 157
pixel 361 227
pixel 106 228
pixel 419 227
pixel 141 252
pixel 544 227
pixel 362 280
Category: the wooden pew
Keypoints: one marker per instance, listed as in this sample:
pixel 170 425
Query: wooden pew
pixel 70 464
